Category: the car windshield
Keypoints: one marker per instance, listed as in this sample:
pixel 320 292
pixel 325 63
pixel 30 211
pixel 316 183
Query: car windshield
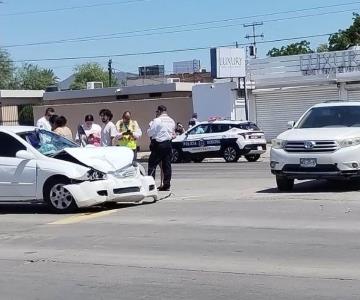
pixel 332 116
pixel 46 142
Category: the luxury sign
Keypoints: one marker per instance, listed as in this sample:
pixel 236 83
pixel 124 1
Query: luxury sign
pixel 228 62
pixel 330 62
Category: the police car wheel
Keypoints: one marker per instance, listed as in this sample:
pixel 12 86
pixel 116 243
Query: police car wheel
pixel 252 157
pixel 176 156
pixel 230 154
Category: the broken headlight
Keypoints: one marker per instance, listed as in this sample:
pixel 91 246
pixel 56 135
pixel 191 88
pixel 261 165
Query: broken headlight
pixel 94 175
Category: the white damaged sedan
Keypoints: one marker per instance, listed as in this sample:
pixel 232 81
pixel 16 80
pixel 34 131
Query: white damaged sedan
pixel 38 165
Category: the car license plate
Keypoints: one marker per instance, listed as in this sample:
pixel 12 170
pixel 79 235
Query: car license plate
pixel 308 162
pixel 259 147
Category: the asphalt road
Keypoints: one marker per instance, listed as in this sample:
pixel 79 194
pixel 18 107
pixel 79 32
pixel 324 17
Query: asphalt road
pixel 224 233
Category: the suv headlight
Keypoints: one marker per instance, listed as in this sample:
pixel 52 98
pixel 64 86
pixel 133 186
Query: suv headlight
pixel 94 175
pixel 349 142
pixel 278 144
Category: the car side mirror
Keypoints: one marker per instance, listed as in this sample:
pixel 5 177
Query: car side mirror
pixel 23 154
pixel 291 124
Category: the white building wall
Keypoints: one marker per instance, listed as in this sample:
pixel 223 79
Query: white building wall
pixel 218 100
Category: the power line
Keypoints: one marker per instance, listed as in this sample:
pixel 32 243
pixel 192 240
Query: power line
pixel 163 51
pixel 131 34
pixel 71 8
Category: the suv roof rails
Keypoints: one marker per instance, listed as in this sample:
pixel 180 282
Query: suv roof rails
pixel 331 101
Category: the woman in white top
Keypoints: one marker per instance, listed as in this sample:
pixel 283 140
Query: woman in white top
pixel 92 131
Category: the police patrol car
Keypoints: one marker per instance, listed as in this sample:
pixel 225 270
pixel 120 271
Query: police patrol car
pixel 227 139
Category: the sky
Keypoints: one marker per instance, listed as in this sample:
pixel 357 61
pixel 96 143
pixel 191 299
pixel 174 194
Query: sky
pixel 128 27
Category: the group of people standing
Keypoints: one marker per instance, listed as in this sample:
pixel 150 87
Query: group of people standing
pixel 126 132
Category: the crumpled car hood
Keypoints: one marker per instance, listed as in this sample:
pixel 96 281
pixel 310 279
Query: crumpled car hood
pixel 103 159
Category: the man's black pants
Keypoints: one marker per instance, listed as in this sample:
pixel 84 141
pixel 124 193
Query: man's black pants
pixel 161 153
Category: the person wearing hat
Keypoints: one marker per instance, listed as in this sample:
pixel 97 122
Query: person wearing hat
pixel 161 132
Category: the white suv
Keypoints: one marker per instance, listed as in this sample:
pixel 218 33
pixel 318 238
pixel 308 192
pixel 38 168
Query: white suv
pixel 227 139
pixel 323 144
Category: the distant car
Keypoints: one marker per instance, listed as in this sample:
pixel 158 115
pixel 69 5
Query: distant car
pixel 38 165
pixel 323 144
pixel 227 139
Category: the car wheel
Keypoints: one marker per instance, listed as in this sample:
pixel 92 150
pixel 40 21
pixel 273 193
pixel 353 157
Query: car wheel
pixel 230 154
pixel 58 198
pixel 252 157
pixel 176 156
pixel 284 184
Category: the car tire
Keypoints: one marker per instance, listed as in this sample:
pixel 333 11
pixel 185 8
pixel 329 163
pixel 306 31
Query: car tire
pixel 231 154
pixel 284 184
pixel 197 159
pixel 176 156
pixel 58 199
pixel 252 157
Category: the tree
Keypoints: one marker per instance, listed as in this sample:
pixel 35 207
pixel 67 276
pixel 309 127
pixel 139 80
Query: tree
pixel 302 47
pixel 90 72
pixel 6 70
pixel 32 77
pixel 322 48
pixel 344 39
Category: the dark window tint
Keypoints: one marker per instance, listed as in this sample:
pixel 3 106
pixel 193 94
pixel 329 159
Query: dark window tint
pixel 247 126
pixel 9 145
pixel 220 127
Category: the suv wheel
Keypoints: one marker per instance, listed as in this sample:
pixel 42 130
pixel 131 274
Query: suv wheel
pixel 176 156
pixel 252 157
pixel 57 197
pixel 231 154
pixel 284 184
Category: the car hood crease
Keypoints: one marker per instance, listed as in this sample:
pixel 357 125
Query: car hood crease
pixel 104 159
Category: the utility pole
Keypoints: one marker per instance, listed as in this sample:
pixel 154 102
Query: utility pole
pixel 254 36
pixel 110 72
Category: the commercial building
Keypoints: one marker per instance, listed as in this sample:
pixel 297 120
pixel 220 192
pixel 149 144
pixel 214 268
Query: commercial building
pixel 285 87
pixel 186 67
pixel 155 70
pixel 142 101
pixel 15 106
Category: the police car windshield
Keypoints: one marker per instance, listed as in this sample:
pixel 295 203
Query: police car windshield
pixel 247 126
pixel 334 116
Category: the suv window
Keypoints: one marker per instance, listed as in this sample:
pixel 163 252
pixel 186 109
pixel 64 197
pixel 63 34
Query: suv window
pixel 247 126
pixel 201 129
pixel 9 145
pixel 220 127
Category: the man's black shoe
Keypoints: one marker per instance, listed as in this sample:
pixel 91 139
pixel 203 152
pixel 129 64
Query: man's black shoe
pixel 164 188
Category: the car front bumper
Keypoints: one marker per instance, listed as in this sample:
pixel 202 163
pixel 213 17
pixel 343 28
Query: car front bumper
pixel 343 163
pixel 127 190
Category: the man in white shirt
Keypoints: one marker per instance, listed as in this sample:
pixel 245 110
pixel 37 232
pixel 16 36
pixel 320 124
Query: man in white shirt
pixel 161 131
pixel 43 122
pixel 108 131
